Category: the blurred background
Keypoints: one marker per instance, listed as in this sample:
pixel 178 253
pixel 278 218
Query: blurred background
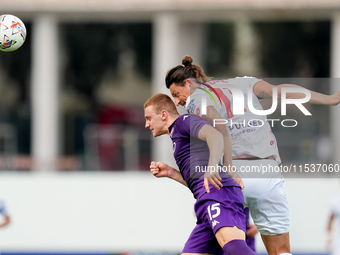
pixel 74 153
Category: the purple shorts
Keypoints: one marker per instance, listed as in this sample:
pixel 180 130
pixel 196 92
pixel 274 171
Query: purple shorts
pixel 219 208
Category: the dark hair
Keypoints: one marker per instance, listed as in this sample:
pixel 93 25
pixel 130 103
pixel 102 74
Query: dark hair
pixel 162 102
pixel 180 73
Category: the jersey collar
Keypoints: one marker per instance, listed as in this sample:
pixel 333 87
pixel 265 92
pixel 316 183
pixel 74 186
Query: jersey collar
pixel 187 102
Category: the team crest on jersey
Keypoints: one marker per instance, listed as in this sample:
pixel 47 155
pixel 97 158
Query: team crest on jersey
pixel 191 107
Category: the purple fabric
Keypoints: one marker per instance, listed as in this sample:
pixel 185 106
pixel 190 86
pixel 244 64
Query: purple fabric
pixel 219 208
pixel 251 243
pixel 237 247
pixel 192 153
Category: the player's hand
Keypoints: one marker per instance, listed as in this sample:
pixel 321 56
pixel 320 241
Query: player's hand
pixel 238 179
pixel 159 169
pixel 336 98
pixel 251 232
pixel 214 178
pixel 239 182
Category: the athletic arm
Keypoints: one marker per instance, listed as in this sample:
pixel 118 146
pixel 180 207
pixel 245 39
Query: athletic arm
pixel 264 90
pixel 215 143
pixel 160 169
pixel 213 114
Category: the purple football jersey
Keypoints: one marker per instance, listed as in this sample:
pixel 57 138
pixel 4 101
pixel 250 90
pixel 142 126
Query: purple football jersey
pixel 192 154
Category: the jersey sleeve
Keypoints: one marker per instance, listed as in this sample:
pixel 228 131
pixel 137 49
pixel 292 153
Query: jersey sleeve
pixel 252 81
pixel 246 82
pixel 189 125
pixel 196 123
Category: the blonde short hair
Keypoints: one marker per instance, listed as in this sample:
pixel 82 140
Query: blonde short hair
pixel 162 102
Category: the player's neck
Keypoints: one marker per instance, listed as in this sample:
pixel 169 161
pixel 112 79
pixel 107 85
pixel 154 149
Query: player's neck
pixel 193 87
pixel 171 119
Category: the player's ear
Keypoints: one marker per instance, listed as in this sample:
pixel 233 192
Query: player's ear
pixel 188 82
pixel 164 115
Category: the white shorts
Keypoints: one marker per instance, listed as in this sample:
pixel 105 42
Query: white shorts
pixel 264 194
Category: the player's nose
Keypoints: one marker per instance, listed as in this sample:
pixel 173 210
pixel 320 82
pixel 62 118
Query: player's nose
pixel 177 101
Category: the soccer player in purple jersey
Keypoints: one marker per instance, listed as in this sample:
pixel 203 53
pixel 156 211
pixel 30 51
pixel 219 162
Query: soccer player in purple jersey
pixel 198 147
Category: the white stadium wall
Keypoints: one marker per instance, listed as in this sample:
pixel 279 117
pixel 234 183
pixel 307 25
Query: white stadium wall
pixel 121 212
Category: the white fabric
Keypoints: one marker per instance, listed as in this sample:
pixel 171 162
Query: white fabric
pixel 264 194
pixel 251 134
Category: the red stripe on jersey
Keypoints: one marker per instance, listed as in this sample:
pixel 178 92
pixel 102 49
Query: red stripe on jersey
pixel 226 102
pixel 213 90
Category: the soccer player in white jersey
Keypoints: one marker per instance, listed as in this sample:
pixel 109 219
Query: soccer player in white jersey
pixel 250 146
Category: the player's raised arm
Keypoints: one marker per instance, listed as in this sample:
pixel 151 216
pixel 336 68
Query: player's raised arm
pixel 264 90
pixel 215 143
pixel 160 169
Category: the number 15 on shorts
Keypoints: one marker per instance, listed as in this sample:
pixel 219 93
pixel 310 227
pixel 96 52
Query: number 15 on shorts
pixel 214 211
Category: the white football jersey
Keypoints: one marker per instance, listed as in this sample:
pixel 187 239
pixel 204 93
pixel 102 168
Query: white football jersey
pixel 250 133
